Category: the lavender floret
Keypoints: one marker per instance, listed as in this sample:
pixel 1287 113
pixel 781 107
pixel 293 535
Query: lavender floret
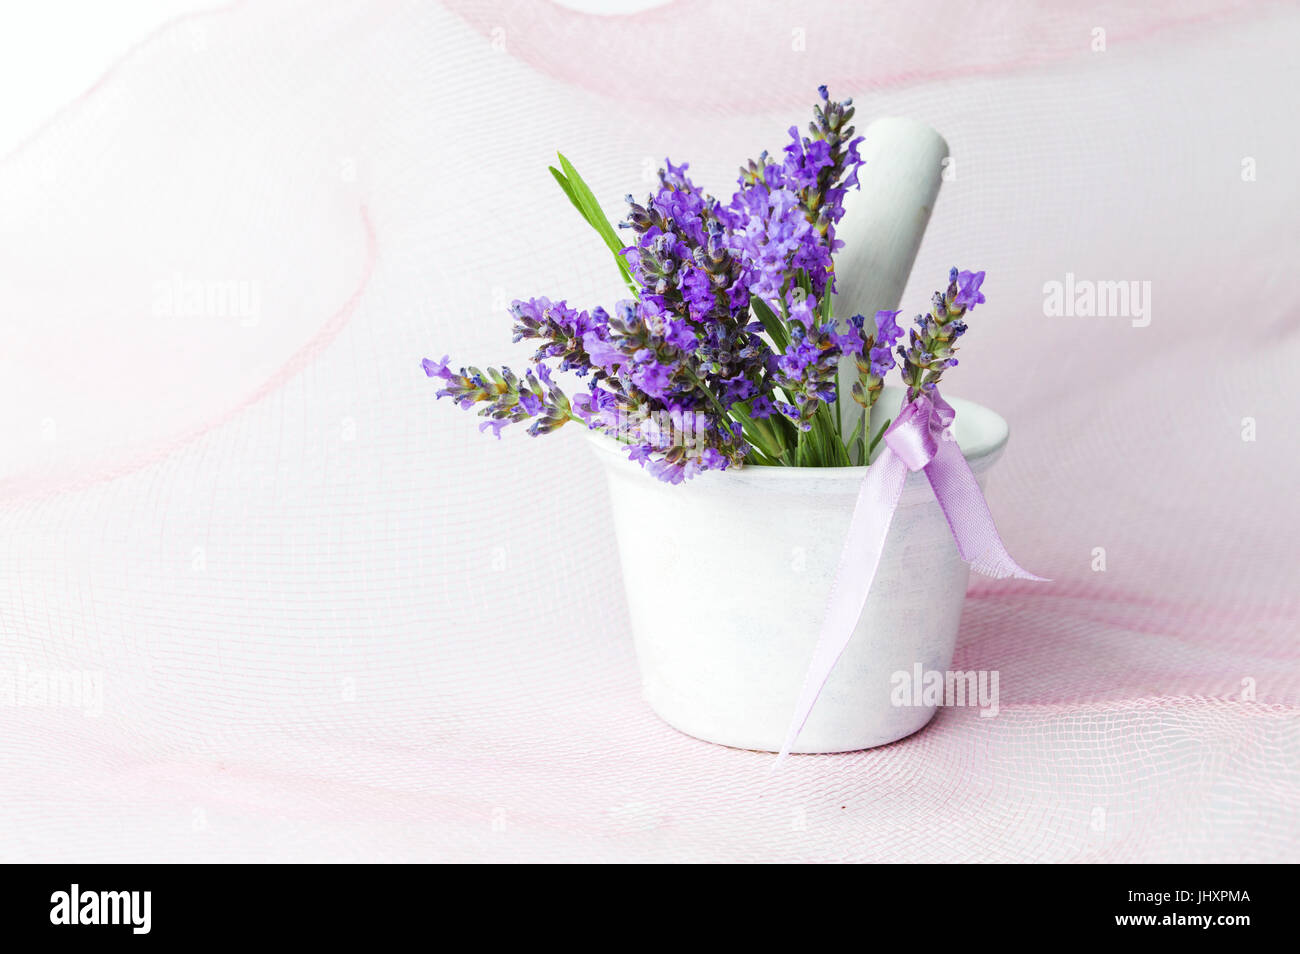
pixel 727 352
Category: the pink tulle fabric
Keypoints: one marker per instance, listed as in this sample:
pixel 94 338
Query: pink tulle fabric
pixel 333 621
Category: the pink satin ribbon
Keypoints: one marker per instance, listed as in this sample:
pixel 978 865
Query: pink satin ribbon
pixel 918 439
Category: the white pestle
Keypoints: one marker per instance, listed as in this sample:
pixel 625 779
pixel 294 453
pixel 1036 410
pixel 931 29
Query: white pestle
pixel 882 228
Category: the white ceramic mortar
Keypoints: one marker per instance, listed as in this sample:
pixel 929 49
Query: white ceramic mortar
pixel 727 577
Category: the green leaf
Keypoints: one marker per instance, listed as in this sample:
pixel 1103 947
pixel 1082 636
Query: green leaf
pixel 770 322
pixel 821 445
pixel 855 440
pixel 783 435
pixel 833 451
pixel 804 281
pixel 564 184
pixel 758 436
pixel 592 208
pixel 879 434
pixel 585 202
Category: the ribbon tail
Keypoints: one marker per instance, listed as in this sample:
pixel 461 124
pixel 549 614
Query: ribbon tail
pixel 859 559
pixel 968 516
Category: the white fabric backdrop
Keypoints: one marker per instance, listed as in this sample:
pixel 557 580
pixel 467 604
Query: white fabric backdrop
pixel 332 621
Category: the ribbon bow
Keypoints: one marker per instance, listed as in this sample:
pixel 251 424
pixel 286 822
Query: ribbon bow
pixel 919 439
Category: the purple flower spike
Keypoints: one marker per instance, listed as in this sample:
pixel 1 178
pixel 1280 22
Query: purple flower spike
pixel 881 361
pixel 968 290
pixel 727 349
pixel 603 354
pixel 887 330
pixel 437 369
pixel 931 344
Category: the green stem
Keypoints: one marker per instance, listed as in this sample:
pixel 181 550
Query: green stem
pixel 717 405
pixel 876 440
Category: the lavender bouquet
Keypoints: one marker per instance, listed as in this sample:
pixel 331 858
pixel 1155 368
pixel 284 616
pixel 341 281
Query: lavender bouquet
pixel 727 352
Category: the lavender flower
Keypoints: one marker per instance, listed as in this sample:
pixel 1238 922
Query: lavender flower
pixel 932 343
pixel 783 217
pixel 505 397
pixel 559 328
pixel 874 357
pixel 808 367
pixel 726 353
pixel 679 258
